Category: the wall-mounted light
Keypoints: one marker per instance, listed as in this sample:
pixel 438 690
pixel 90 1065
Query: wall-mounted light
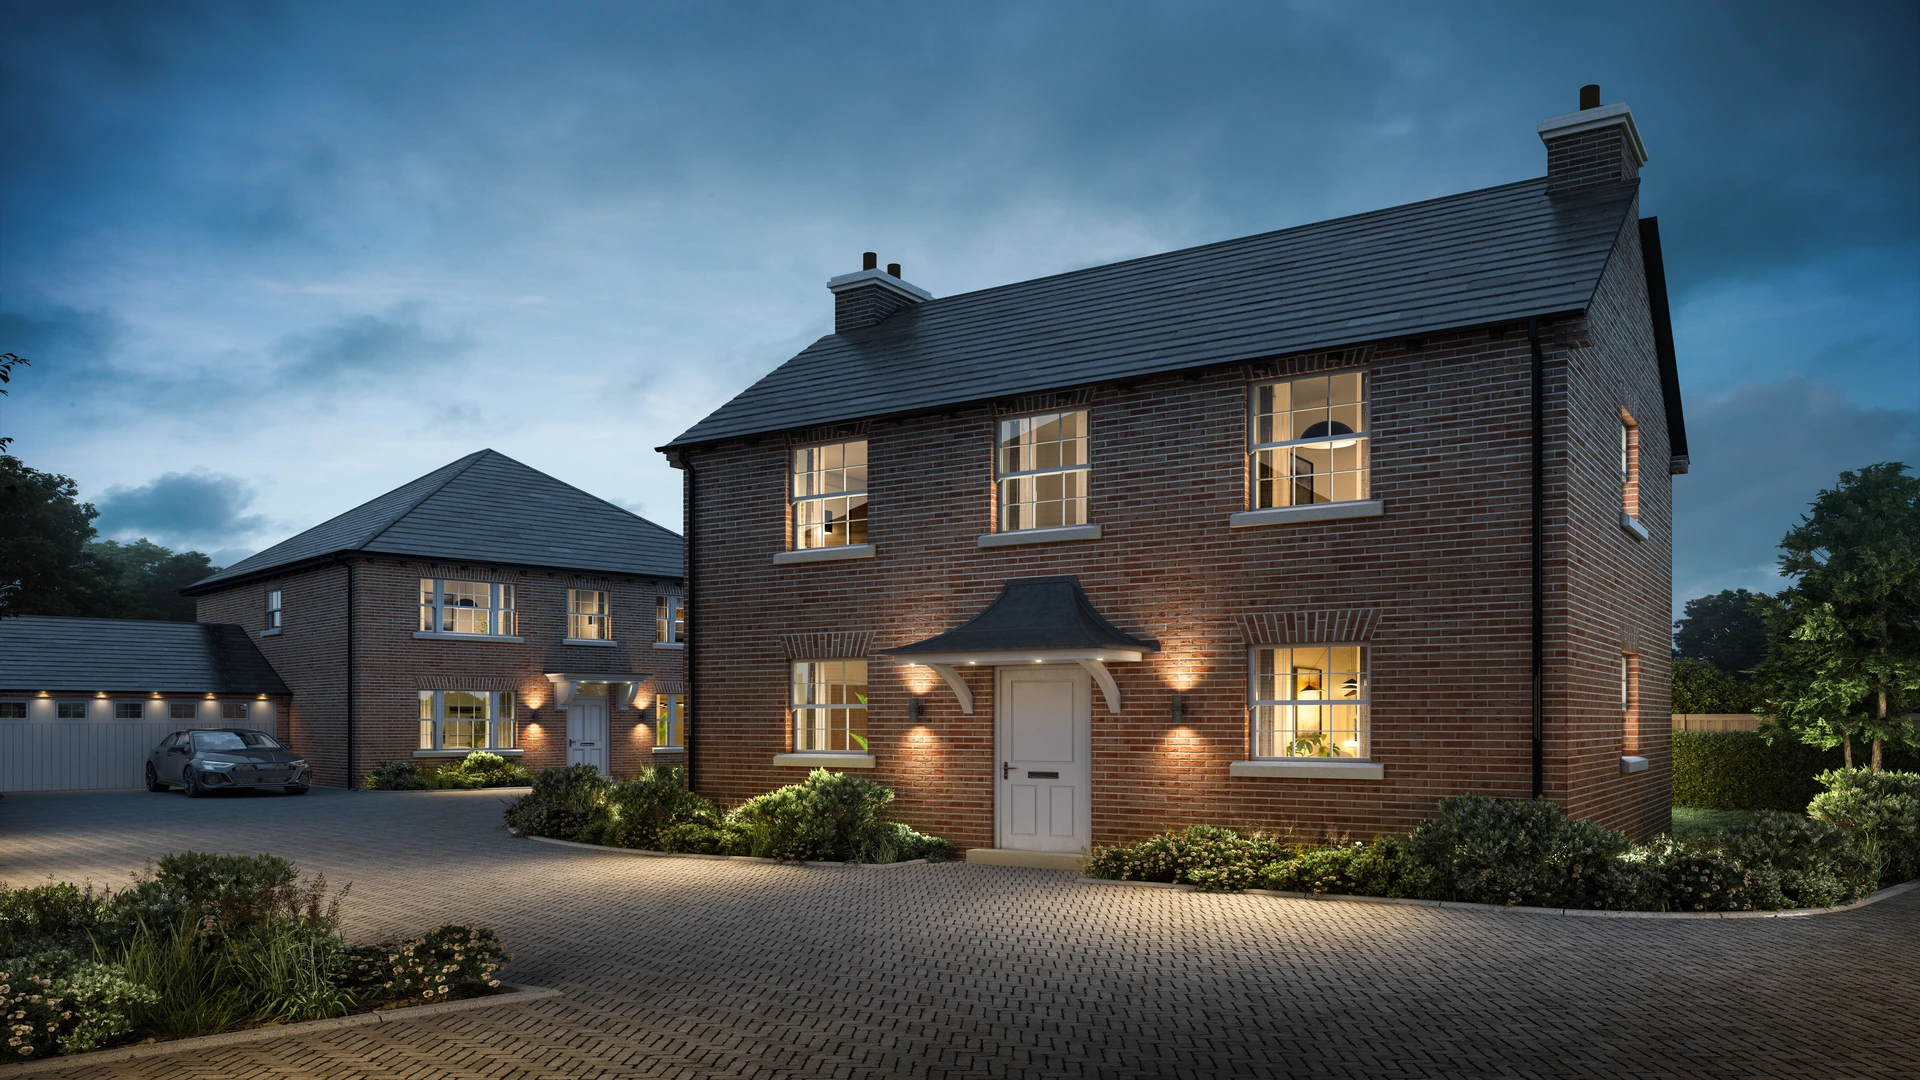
pixel 914 710
pixel 1177 707
pixel 533 715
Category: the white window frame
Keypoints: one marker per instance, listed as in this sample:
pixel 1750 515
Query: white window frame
pixel 669 722
pixel 139 709
pixel 59 707
pixel 193 710
pixel 502 732
pixel 669 621
pixel 818 475
pixel 1004 477
pixel 823 734
pixel 1363 438
pixel 591 622
pixel 502 618
pixel 1276 750
pixel 273 611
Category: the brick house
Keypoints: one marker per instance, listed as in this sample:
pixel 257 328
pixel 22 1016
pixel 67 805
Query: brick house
pixel 1300 530
pixel 485 605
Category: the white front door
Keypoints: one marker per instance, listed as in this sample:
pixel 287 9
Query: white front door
pixel 1043 730
pixel 587 733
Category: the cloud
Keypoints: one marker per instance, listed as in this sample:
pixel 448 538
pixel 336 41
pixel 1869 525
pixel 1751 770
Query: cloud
pixel 196 509
pixel 366 345
pixel 1760 455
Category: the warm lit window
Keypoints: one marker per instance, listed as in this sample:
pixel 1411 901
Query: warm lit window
pixel 1309 441
pixel 830 495
pixel 670 621
pixel 466 720
pixel 128 710
pixel 467 607
pixel 587 615
pixel 183 710
pixel 71 710
pixel 669 724
pixel 273 609
pixel 1629 466
pixel 1629 730
pixel 1044 469
pixel 13 710
pixel 830 705
pixel 233 710
pixel 1310 702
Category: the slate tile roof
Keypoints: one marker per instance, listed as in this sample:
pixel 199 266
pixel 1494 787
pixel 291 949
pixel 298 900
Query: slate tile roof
pixel 39 652
pixel 1496 255
pixel 484 508
pixel 1032 615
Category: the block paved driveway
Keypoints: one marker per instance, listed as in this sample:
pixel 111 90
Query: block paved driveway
pixel 696 968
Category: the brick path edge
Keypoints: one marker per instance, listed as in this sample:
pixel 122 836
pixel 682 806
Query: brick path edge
pixel 517 995
pixel 1887 893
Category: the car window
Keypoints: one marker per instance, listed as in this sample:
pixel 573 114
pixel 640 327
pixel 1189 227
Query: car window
pixel 173 740
pixel 204 741
pixel 258 740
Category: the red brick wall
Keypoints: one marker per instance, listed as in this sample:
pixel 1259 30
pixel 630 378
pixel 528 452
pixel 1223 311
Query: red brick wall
pixel 1445 571
pixel 391 666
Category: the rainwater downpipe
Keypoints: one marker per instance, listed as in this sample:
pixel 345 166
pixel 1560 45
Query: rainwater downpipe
pixel 1539 559
pixel 350 685
pixel 690 702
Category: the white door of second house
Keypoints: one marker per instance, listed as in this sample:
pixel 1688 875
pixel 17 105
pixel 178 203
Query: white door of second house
pixel 587 733
pixel 1043 730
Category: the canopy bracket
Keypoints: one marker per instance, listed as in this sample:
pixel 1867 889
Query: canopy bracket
pixel 958 684
pixel 1104 678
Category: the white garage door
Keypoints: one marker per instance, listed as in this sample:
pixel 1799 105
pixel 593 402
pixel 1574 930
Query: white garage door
pixel 44 752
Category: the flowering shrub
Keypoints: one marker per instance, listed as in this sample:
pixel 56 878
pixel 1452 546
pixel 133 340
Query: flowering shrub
pixel 71 1013
pixel 453 961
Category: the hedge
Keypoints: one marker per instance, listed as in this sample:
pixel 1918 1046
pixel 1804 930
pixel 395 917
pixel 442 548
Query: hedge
pixel 1737 770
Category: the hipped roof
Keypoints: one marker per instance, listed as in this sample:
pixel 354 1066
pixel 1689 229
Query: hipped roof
pixel 40 652
pixel 1040 614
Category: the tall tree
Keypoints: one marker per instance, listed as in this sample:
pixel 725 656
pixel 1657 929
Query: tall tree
pixel 1725 629
pixel 44 531
pixel 1843 658
pixel 8 361
pixel 145 579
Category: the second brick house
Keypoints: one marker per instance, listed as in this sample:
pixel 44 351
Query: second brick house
pixel 485 605
pixel 1298 531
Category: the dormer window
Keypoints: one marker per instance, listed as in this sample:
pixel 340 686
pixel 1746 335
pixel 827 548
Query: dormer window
pixel 1309 441
pixel 830 495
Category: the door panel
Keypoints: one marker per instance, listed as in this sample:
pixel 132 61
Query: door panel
pixel 1043 727
pixel 587 733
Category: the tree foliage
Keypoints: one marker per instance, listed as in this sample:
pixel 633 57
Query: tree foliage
pixel 1700 687
pixel 1725 630
pixel 1843 659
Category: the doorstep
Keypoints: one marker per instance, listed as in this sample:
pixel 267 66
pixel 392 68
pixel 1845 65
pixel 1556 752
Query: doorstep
pixel 1045 860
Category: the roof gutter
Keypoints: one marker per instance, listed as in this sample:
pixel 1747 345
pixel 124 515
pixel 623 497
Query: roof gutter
pixel 1539 558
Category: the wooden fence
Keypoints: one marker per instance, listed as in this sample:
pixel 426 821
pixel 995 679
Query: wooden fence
pixel 1716 722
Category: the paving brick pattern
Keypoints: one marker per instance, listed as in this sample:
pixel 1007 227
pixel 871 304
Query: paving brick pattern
pixel 696 968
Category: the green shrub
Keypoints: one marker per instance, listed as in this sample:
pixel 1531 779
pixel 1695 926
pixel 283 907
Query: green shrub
pixel 1794 861
pixel 826 816
pixel 397 776
pixel 481 770
pixel 1683 878
pixel 453 961
pixel 81 1007
pixel 62 913
pixel 1501 851
pixel 1880 812
pixel 1740 770
pixel 563 802
pixel 638 813
pixel 1383 867
pixel 1205 855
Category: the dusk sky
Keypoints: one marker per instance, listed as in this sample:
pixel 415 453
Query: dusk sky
pixel 271 260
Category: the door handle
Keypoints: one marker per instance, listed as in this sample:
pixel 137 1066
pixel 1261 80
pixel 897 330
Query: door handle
pixel 1006 769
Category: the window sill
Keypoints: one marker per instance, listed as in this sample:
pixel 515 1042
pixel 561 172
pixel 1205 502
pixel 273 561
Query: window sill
pixel 274 632
pixel 826 554
pixel 600 642
pixel 464 753
pixel 1633 527
pixel 669 749
pixel 826 761
pixel 669 644
pixel 1632 763
pixel 434 635
pixel 1320 768
pixel 1286 515
pixel 1040 536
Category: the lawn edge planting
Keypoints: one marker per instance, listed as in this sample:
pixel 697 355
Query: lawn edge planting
pixel 509 994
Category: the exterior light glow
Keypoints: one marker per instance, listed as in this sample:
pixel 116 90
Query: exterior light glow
pixel 1177 708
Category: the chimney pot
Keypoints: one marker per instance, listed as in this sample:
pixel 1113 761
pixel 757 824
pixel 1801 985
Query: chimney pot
pixel 1589 96
pixel 894 269
pixel 869 260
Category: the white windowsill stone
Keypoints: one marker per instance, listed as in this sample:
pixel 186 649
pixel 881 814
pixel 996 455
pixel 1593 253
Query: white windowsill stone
pixel 1320 768
pixel 669 749
pixel 1632 763
pixel 669 644
pixel 601 642
pixel 1040 536
pixel 826 761
pixel 1288 515
pixel 464 753
pixel 435 635
pixel 826 554
pixel 271 632
pixel 1633 527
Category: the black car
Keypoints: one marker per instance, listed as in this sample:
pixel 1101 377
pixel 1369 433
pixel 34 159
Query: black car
pixel 225 759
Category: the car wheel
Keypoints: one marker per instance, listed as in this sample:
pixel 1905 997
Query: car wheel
pixel 153 781
pixel 194 790
pixel 296 789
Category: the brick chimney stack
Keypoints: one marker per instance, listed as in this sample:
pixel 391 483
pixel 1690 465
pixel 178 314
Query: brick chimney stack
pixel 1600 143
pixel 871 294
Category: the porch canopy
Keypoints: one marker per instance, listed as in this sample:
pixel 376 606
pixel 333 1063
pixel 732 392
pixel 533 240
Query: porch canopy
pixel 1033 620
pixel 622 686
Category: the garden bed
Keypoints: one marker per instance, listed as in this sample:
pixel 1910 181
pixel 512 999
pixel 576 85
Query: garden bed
pixel 724 858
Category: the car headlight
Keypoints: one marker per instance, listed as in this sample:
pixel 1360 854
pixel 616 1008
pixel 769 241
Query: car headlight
pixel 298 763
pixel 218 766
